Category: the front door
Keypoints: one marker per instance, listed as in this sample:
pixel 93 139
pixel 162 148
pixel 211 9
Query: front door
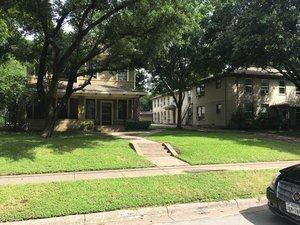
pixel 106 114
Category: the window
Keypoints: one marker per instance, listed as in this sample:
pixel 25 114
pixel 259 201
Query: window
pixel 200 90
pixel 168 101
pixel 122 109
pixel 73 111
pixel 218 83
pixel 200 112
pixel 165 116
pixel 90 107
pixel 297 91
pixel 264 87
pixel 248 109
pixel 130 109
pixel 264 109
pixel 169 116
pixel 91 67
pixel 122 75
pixel 218 108
pixel 282 87
pixel 248 85
pixel 189 96
pixel 164 101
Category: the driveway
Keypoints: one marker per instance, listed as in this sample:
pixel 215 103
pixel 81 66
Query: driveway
pixel 260 217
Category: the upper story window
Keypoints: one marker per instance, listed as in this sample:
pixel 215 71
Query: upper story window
pixel 248 85
pixel 264 87
pixel 282 87
pixel 168 100
pixel 297 91
pixel 122 75
pixel 164 101
pixel 200 90
pixel 218 83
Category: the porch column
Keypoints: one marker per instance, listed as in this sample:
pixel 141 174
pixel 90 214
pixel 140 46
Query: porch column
pixel 81 108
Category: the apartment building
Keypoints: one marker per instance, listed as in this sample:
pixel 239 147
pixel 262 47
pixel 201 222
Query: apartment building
pixel 110 99
pixel 254 92
pixel 165 110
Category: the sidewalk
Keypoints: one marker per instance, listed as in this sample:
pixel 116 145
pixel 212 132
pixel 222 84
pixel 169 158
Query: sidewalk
pixel 155 215
pixel 126 173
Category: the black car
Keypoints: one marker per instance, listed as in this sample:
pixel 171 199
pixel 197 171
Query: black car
pixel 284 194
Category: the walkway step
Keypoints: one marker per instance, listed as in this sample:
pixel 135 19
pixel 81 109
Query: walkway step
pixel 155 152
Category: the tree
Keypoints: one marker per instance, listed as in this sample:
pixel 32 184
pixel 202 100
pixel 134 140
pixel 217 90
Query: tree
pixel 261 33
pixel 14 90
pixel 174 72
pixel 145 103
pixel 80 37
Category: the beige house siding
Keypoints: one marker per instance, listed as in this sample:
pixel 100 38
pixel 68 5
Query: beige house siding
pixel 104 87
pixel 233 97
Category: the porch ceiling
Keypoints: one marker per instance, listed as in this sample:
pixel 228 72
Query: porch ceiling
pixel 106 90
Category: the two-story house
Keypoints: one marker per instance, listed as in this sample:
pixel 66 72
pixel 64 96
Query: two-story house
pixel 217 99
pixel 109 100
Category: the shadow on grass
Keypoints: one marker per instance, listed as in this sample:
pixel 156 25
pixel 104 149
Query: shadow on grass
pixel 16 146
pixel 242 138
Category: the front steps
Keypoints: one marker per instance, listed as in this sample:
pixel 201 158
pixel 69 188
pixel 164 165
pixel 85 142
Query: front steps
pixel 157 153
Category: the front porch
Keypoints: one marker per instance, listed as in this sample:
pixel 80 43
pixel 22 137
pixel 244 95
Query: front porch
pixel 105 111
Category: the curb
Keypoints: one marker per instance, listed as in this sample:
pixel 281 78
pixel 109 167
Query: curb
pixel 177 212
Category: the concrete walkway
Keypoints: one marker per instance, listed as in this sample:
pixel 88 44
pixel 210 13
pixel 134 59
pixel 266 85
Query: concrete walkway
pixel 143 172
pixel 155 152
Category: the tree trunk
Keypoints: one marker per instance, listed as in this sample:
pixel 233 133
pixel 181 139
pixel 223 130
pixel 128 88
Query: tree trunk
pixel 52 117
pixel 179 111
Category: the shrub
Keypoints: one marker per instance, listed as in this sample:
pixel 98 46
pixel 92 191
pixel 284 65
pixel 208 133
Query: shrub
pixel 87 125
pixel 241 121
pixel 137 125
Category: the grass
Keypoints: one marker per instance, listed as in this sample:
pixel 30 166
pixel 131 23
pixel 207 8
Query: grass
pixel 218 147
pixel 20 202
pixel 28 153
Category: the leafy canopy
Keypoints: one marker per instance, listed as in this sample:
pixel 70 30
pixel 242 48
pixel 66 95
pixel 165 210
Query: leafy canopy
pixel 244 33
pixel 13 83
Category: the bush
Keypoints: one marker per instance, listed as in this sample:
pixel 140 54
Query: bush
pixel 240 121
pixel 137 125
pixel 87 125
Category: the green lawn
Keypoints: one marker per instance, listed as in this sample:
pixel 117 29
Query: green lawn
pixel 217 147
pixel 19 202
pixel 29 153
